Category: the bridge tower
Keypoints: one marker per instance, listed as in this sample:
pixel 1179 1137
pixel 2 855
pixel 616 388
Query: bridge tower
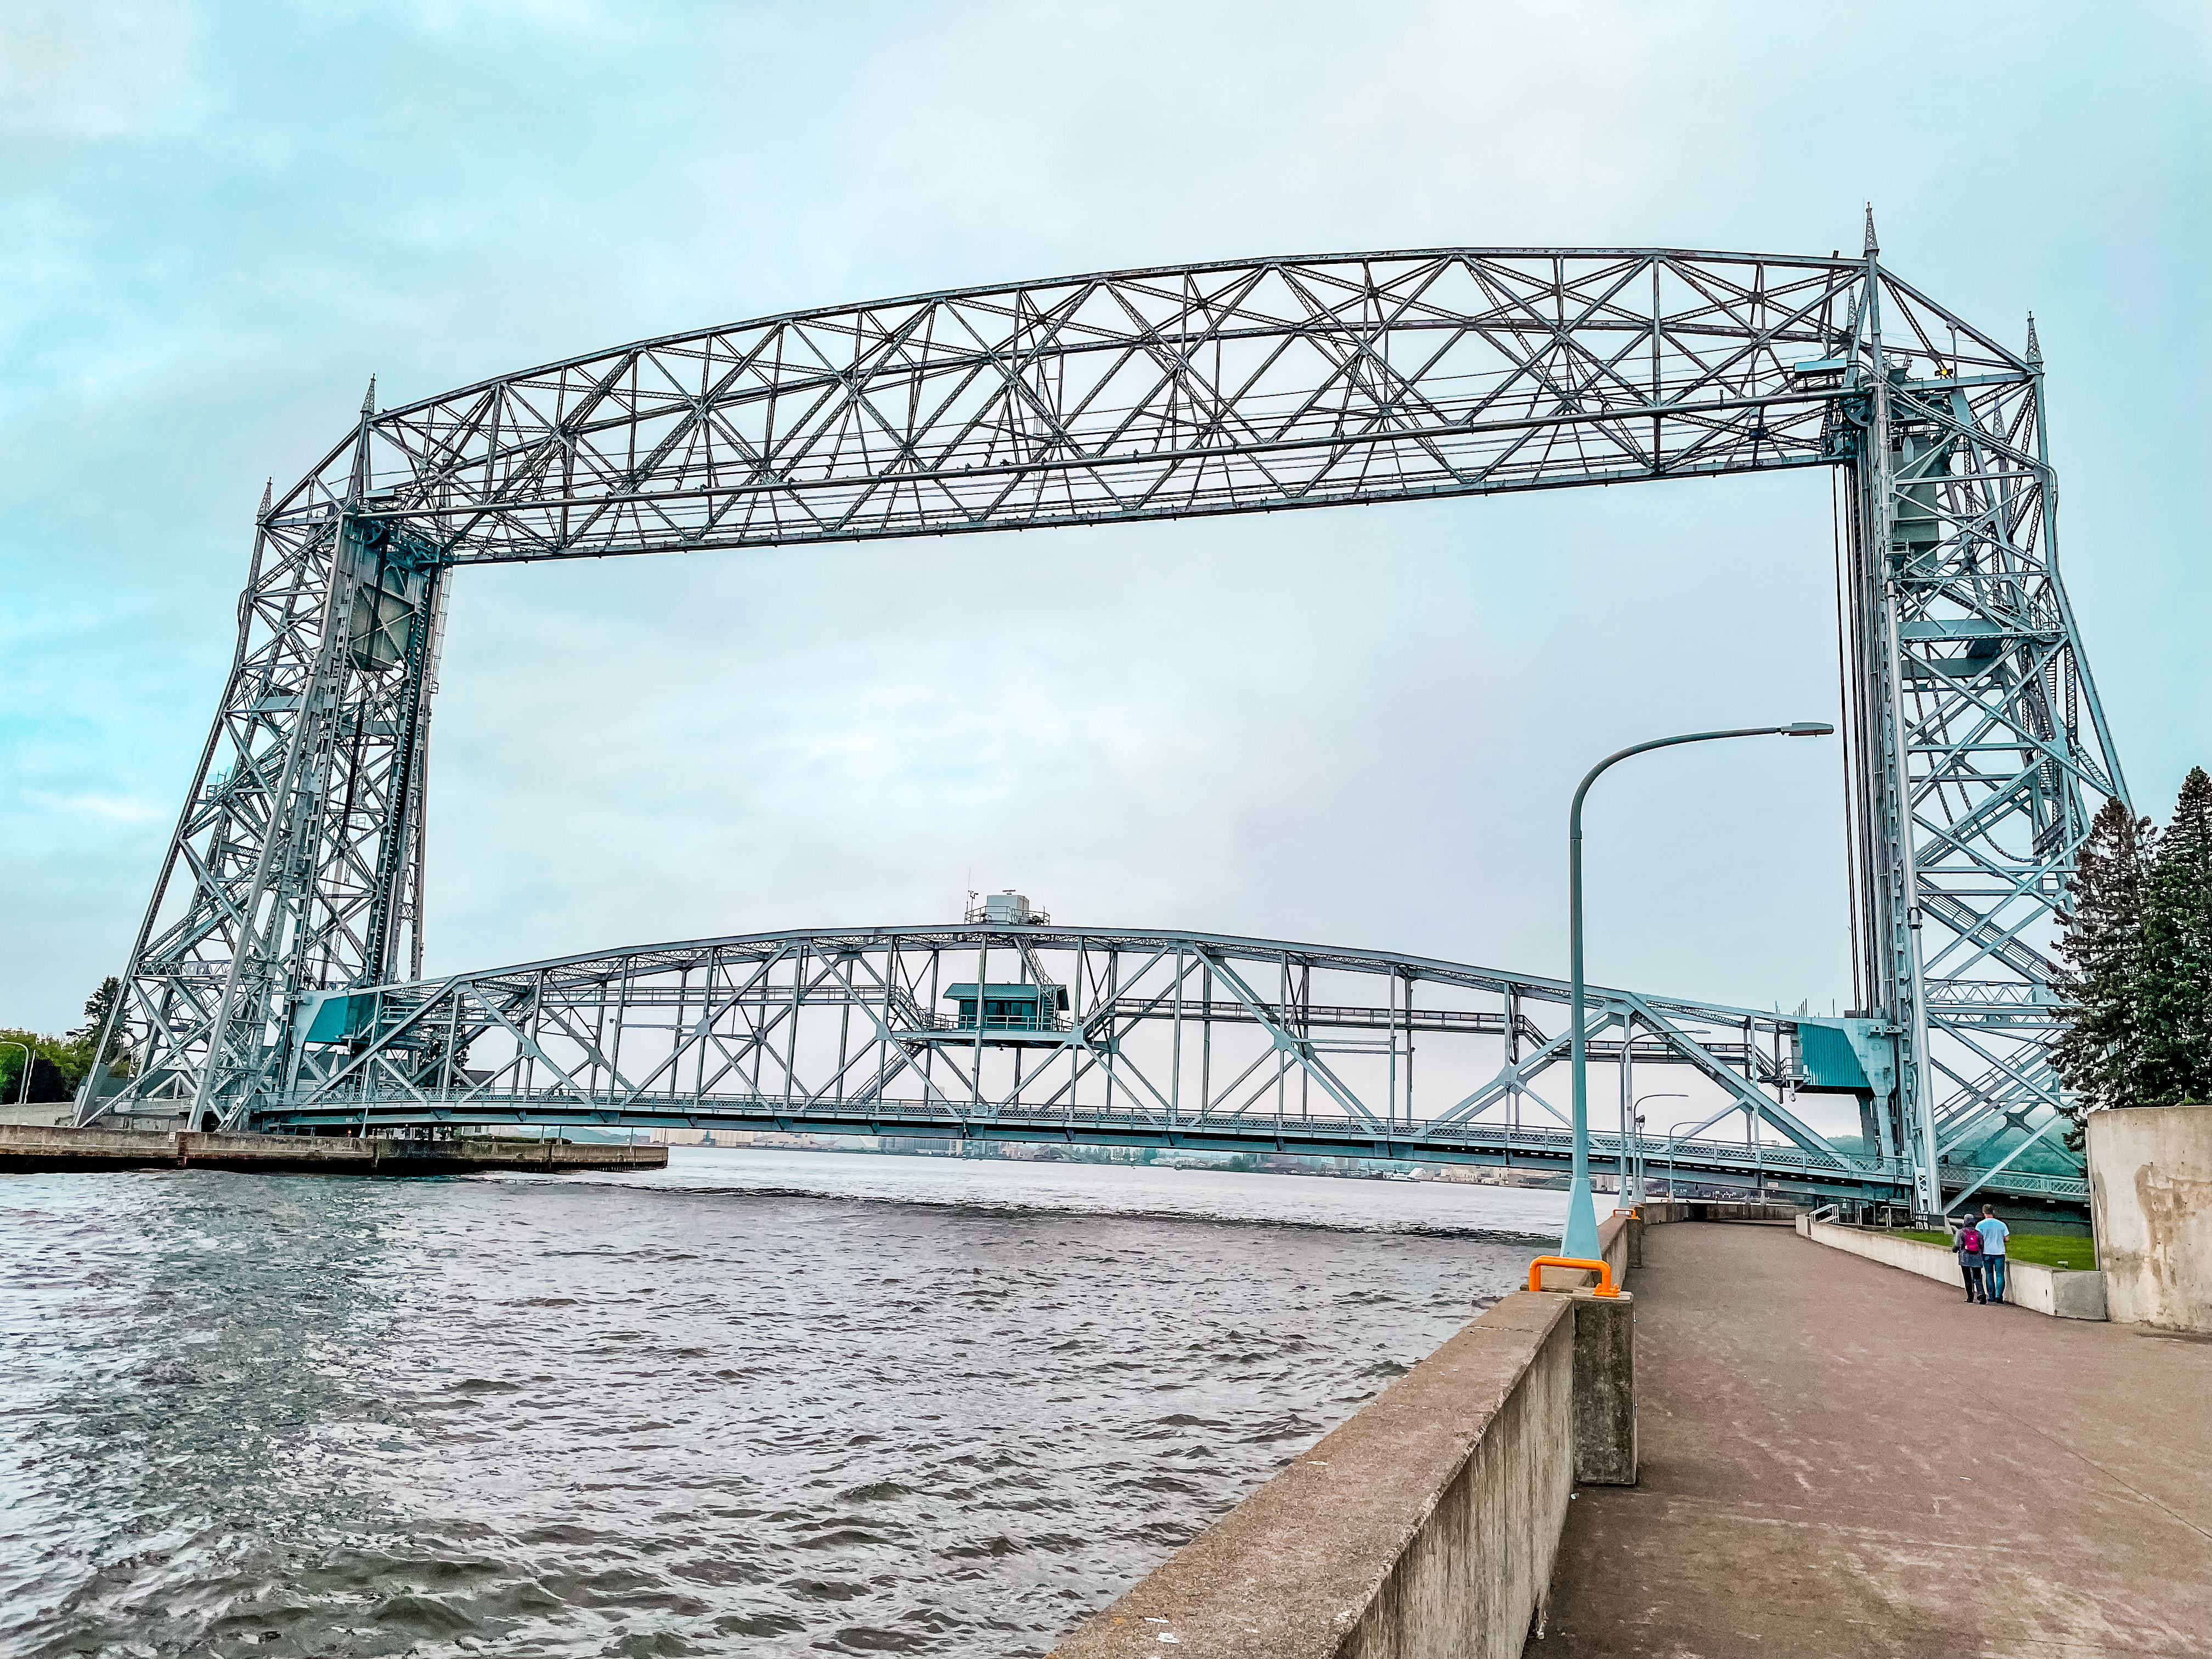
pixel 1966 693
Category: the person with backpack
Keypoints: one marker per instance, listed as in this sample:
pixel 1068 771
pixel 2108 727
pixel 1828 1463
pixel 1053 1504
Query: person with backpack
pixel 1993 1233
pixel 1968 1246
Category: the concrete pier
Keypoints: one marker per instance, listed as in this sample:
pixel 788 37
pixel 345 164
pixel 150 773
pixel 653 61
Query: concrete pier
pixel 25 1148
pixel 1844 1459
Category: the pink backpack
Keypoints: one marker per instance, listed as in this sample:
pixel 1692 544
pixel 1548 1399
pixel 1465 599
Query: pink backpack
pixel 1970 1243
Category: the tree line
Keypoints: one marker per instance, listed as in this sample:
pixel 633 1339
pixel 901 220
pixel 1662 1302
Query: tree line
pixel 58 1064
pixel 2138 950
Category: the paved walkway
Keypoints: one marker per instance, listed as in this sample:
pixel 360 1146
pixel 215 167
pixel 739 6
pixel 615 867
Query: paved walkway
pixel 1841 1459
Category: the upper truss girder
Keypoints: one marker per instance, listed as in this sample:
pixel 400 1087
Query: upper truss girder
pixel 1174 391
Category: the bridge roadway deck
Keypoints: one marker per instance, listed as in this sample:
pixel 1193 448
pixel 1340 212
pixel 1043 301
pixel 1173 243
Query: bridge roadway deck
pixel 1844 1459
pixel 1694 1167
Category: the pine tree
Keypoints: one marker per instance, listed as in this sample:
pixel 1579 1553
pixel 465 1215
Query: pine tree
pixel 97 1006
pixel 2099 1053
pixel 2175 999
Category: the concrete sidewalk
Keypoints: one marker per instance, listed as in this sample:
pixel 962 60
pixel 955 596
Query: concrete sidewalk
pixel 1843 1459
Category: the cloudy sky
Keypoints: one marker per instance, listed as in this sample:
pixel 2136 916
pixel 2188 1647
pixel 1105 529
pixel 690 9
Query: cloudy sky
pixel 1356 727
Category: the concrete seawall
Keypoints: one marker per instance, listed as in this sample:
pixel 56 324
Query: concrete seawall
pixel 1619 1241
pixel 2150 1187
pixel 1429 1521
pixel 25 1148
pixel 1435 1510
pixel 2054 1291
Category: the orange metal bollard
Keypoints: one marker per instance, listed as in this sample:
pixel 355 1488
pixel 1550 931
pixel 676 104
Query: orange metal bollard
pixel 1605 1286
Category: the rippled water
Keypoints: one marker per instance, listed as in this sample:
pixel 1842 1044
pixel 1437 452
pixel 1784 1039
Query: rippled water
pixel 758 1403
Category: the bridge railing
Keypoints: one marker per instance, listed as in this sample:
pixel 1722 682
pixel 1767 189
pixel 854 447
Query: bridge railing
pixel 930 1118
pixel 935 1021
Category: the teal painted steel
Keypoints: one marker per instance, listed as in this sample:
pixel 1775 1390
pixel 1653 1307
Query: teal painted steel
pixel 1829 1059
pixel 1053 998
pixel 341 1019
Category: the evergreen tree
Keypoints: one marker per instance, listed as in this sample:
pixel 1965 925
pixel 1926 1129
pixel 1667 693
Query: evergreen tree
pixel 2175 999
pixel 97 1006
pixel 2099 1053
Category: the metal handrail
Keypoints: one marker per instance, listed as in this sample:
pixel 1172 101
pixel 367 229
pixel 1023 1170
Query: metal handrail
pixel 1588 1264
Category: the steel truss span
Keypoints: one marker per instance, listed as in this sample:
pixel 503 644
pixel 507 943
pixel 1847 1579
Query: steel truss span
pixel 1093 1035
pixel 1977 746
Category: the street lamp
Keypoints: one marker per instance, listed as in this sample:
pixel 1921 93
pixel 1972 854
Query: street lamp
pixel 1580 1239
pixel 1636 1113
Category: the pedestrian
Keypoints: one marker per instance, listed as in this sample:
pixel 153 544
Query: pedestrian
pixel 1993 1235
pixel 1968 1244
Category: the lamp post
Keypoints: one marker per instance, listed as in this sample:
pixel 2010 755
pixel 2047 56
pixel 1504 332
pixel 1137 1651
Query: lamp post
pixel 1580 1239
pixel 1635 1112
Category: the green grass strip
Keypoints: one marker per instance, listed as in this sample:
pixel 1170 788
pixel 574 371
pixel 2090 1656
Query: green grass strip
pixel 2044 1250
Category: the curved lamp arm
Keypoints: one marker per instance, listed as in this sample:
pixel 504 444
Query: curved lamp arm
pixel 1794 729
pixel 1581 1236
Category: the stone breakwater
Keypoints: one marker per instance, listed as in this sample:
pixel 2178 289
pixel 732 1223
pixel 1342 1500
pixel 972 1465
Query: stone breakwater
pixel 25 1148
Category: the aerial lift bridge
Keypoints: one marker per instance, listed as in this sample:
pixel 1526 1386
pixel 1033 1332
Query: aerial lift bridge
pixel 277 977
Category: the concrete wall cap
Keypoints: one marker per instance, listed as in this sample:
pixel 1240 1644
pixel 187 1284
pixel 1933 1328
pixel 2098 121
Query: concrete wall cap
pixel 1284 1577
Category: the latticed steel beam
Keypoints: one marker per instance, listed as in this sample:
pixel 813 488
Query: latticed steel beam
pixel 297 866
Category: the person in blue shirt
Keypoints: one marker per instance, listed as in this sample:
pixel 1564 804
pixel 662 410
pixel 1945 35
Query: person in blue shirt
pixel 1994 1233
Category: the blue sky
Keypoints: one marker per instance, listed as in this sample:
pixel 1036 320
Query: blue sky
pixel 1356 727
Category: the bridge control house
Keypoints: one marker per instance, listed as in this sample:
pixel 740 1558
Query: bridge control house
pixel 1011 1007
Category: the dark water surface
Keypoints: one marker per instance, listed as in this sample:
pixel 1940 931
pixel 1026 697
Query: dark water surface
pixel 758 1404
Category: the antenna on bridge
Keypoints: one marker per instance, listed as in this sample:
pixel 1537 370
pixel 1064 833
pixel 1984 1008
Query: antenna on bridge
pixel 2034 346
pixel 268 495
pixel 1004 909
pixel 368 398
pixel 1873 244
